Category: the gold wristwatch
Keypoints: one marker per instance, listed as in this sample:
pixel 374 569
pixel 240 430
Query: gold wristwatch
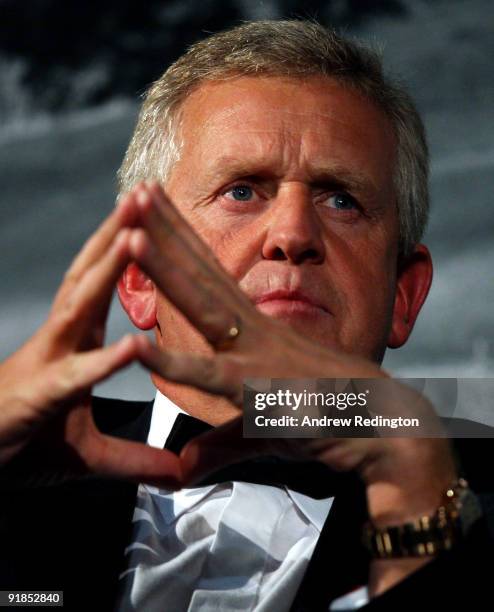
pixel 428 535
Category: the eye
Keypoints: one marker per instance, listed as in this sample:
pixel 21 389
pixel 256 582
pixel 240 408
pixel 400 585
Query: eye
pixel 342 201
pixel 240 193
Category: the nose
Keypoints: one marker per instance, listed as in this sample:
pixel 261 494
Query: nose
pixel 294 229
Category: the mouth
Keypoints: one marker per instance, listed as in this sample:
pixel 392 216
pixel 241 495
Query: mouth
pixel 289 303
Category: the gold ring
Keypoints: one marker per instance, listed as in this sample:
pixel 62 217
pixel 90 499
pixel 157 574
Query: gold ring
pixel 231 335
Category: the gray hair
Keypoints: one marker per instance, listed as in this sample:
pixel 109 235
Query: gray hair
pixel 290 48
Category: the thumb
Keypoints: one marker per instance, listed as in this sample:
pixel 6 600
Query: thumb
pixel 135 461
pixel 218 448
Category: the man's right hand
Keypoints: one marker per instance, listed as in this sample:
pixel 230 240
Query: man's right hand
pixel 45 387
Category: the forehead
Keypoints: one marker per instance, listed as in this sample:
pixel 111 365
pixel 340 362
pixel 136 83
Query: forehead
pixel 293 124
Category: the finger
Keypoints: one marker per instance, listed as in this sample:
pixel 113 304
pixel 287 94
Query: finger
pixel 169 212
pixel 84 311
pixel 192 277
pixel 116 458
pixel 217 375
pixel 57 386
pixel 124 215
pixel 180 244
pixel 225 445
pixel 195 295
pixel 218 448
pixel 77 373
pixel 95 289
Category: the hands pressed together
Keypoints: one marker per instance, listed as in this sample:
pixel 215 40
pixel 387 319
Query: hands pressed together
pixel 45 387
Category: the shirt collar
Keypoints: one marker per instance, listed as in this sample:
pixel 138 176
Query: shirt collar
pixel 163 417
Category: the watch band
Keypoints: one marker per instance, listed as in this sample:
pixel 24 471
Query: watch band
pixel 428 535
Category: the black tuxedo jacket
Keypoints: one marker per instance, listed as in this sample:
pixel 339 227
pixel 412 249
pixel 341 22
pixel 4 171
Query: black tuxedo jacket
pixel 72 536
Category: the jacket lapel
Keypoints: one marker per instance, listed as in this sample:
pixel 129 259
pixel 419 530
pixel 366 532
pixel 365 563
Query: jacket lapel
pixel 339 563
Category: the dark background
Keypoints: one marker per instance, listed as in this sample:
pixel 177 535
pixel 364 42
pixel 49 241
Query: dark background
pixel 71 77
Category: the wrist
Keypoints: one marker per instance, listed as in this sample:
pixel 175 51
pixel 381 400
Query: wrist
pixel 408 481
pixel 429 534
pixel 399 550
pixel 390 505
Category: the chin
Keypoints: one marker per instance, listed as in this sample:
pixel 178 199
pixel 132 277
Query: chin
pixel 323 333
pixel 314 329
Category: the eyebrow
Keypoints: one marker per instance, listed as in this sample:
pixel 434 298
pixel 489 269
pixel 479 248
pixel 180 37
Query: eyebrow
pixel 228 167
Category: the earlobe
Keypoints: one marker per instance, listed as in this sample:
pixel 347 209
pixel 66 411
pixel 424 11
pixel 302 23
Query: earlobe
pixel 138 297
pixel 412 286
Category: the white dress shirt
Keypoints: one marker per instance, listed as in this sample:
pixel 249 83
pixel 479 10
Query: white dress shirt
pixel 222 547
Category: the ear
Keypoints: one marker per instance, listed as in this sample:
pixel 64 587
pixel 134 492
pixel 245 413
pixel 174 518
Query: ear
pixel 138 297
pixel 412 286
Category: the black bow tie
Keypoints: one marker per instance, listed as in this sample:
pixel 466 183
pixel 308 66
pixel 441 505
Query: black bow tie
pixel 184 429
pixel 309 477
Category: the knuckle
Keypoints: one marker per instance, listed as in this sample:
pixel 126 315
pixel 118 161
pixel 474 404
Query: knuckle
pixel 230 369
pixel 70 278
pixel 168 366
pixel 209 370
pixel 65 374
pixel 215 323
pixel 66 314
pixel 227 373
pixel 65 377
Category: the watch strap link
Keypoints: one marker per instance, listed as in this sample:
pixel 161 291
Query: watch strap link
pixel 428 535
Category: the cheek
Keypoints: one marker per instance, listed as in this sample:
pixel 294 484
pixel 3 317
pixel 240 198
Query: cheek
pixel 233 242
pixel 364 278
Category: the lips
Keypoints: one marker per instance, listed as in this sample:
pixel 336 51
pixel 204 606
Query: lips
pixel 288 300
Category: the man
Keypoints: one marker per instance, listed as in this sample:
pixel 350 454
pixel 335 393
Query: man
pixel 285 243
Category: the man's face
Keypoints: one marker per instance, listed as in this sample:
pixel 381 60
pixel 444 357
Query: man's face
pixel 289 182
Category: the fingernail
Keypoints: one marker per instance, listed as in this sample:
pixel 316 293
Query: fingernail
pixel 122 237
pixel 125 340
pixel 142 197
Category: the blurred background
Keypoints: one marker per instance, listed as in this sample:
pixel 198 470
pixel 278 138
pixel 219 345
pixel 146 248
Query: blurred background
pixel 71 78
